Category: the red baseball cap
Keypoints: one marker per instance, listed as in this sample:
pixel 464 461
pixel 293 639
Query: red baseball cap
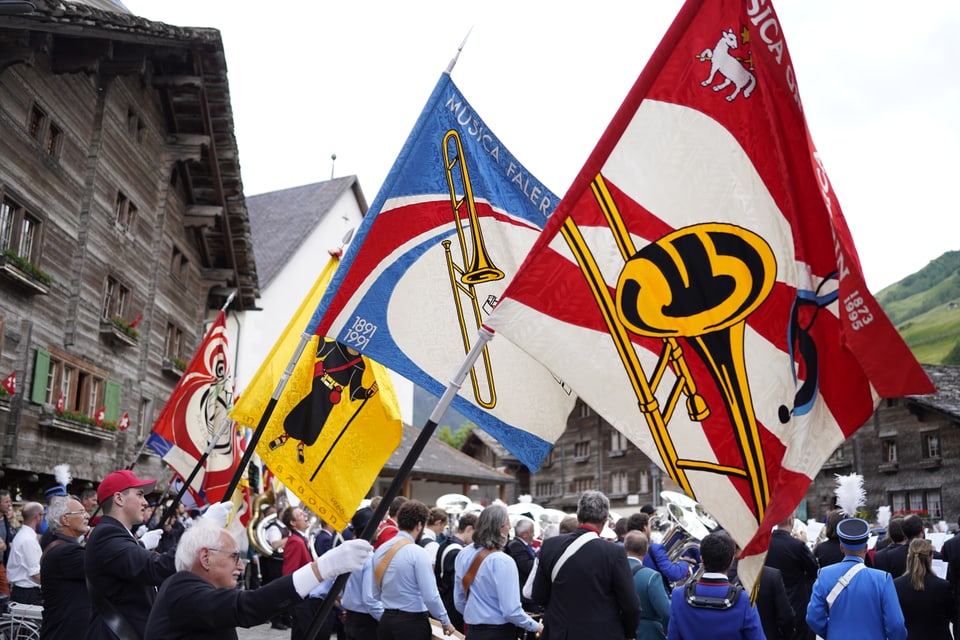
pixel 120 481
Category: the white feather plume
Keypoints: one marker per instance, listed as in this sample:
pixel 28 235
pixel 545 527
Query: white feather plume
pixel 62 473
pixel 883 516
pixel 850 493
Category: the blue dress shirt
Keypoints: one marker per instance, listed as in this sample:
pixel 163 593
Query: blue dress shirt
pixel 358 594
pixel 408 582
pixel 495 592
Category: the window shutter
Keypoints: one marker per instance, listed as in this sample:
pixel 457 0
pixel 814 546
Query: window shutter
pixel 111 400
pixel 38 394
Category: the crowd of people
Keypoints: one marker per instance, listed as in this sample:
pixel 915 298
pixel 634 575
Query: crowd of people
pixel 134 578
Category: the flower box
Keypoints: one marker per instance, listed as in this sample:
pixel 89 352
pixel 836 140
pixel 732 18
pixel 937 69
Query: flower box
pixel 23 274
pixel 62 423
pixel 112 333
pixel 174 367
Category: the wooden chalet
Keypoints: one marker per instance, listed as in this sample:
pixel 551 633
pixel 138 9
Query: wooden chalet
pixel 123 225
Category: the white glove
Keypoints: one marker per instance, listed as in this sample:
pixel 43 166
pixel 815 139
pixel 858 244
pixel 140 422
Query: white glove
pixel 151 539
pixel 218 514
pixel 345 558
pixel 142 529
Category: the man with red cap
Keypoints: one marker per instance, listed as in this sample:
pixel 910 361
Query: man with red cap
pixel 122 575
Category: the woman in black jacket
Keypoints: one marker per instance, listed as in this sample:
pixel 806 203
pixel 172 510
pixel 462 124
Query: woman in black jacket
pixel 927 601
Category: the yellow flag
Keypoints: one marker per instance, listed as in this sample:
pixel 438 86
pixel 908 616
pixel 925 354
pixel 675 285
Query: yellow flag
pixel 336 423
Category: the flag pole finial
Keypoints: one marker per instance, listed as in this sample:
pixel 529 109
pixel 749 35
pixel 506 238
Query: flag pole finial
pixel 453 61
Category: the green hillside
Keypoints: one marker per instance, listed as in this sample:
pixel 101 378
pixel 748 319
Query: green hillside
pixel 925 308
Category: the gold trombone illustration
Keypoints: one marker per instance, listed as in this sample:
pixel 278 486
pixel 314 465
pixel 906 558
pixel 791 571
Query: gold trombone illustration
pixel 477 268
pixel 699 283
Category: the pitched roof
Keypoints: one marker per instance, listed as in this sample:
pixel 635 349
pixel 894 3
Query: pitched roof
pixel 946 378
pixel 281 220
pixel 439 461
pixel 492 443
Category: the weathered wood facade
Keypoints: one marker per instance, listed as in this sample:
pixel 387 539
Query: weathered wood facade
pixel 122 204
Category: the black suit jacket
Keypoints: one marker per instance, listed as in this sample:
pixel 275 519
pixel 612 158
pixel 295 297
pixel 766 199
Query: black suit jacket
pixel 188 607
pixel 593 595
pixel 518 550
pixel 927 613
pixel 124 573
pixel 66 607
pixel 773 605
pixel 892 559
pixel 797 566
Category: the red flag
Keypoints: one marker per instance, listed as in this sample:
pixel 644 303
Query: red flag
pixel 136 321
pixel 101 414
pixel 701 264
pixel 196 411
pixel 61 403
pixel 10 383
pixel 124 422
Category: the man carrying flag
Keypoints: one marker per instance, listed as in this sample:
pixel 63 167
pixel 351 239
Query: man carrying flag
pixel 702 259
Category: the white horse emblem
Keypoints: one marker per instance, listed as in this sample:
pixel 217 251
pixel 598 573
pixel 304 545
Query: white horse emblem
pixel 728 66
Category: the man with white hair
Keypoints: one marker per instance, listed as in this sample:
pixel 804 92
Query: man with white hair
pixel 201 600
pixel 66 603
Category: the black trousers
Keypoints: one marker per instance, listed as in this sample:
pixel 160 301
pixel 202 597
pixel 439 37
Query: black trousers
pixel 303 615
pixel 401 625
pixel 360 626
pixel 25 595
pixel 491 632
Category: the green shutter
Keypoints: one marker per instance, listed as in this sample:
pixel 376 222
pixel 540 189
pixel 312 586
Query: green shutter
pixel 38 394
pixel 111 400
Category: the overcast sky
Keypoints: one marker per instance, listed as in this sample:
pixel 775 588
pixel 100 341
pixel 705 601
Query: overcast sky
pixel 879 82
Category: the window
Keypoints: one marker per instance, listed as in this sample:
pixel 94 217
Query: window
pixel 83 387
pixel 42 129
pixel 644 481
pixel 116 299
pixel 173 342
pixel 934 505
pixel 836 456
pixel 583 484
pixel 178 264
pixel 19 230
pixel 889 450
pixel 583 409
pixel 125 212
pixel 145 416
pixel 135 126
pixel 619 482
pixel 618 441
pixel 898 502
pixel 544 489
pixel 931 444
pixel 581 450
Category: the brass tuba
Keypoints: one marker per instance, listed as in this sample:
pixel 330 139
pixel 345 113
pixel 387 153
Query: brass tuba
pixel 680 524
pixel 257 527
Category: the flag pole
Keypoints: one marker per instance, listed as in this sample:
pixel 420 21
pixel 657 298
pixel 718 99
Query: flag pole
pixel 484 336
pixel 456 56
pixel 196 469
pixel 267 414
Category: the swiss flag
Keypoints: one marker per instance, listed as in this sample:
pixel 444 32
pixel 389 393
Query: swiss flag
pixel 101 413
pixel 60 403
pixel 10 383
pixel 124 423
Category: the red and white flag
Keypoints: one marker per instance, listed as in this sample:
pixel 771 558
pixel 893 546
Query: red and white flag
pixel 194 414
pixel 10 383
pixel 124 422
pixel 101 414
pixel 702 273
pixel 61 403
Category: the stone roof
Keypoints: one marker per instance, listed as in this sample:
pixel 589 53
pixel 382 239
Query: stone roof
pixel 282 220
pixel 946 378
pixel 493 444
pixel 439 461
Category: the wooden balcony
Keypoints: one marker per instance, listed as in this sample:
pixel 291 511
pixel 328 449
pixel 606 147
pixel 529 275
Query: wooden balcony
pixel 112 334
pixel 23 279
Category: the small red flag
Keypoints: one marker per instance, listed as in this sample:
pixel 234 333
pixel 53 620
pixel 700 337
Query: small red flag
pixel 124 423
pixel 60 403
pixel 10 383
pixel 136 321
pixel 101 413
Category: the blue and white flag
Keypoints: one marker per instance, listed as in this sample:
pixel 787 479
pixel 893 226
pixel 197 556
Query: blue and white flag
pixel 449 228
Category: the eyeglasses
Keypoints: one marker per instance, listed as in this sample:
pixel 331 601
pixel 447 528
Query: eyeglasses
pixel 74 513
pixel 235 556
